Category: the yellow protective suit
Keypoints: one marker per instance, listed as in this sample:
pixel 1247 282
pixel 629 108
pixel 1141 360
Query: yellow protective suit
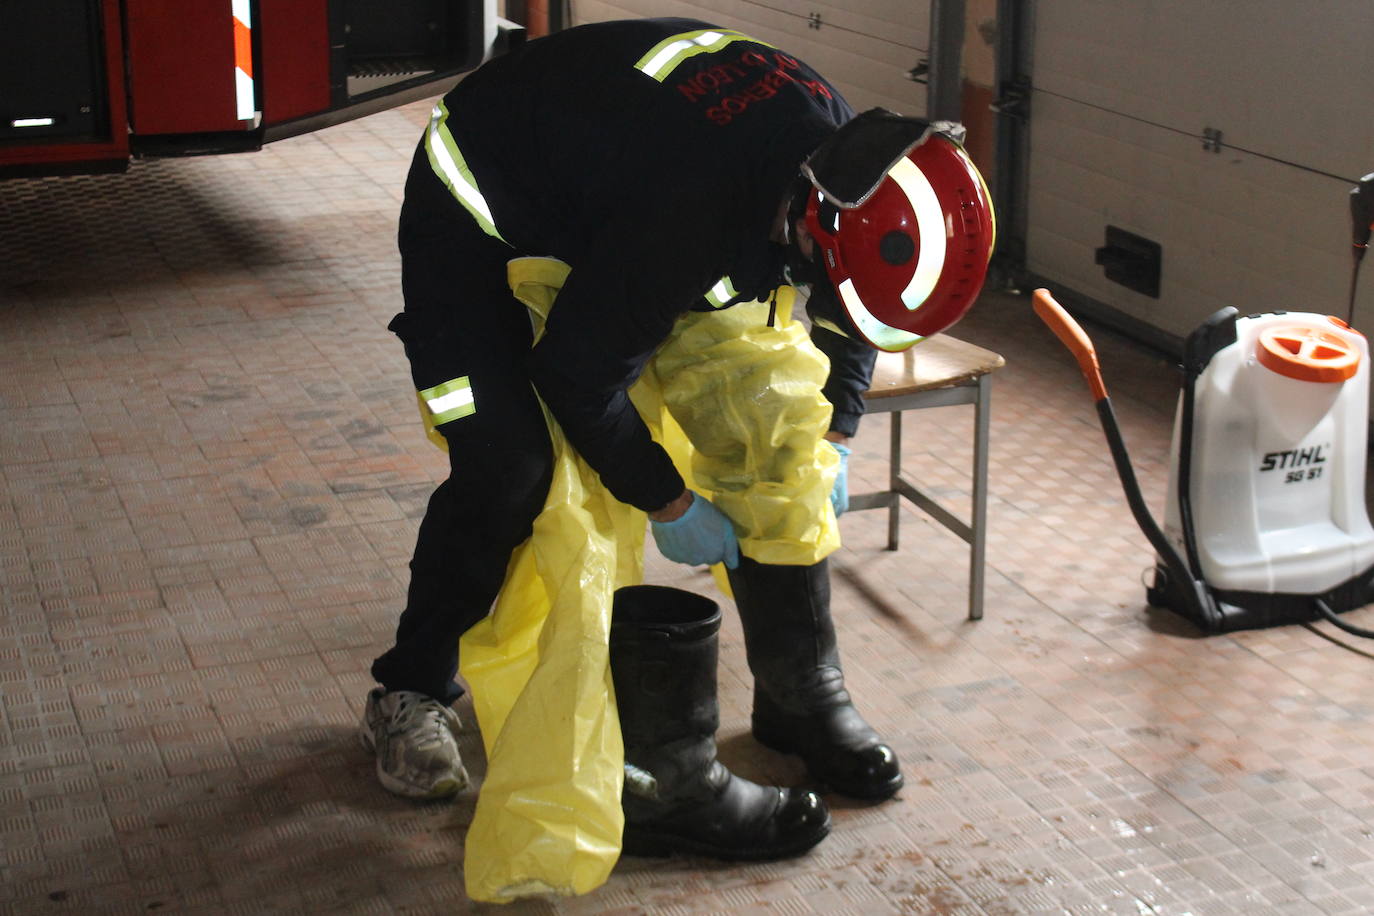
pixel 747 396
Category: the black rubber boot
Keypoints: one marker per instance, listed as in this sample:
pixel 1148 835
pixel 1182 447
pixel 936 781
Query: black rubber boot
pixel 800 703
pixel 678 797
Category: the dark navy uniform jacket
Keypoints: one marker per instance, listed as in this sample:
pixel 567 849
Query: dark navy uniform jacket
pixel 652 156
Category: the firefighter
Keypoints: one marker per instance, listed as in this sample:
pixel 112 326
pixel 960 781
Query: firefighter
pixel 675 166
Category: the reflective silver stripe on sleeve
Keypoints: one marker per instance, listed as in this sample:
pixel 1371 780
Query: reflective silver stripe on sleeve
pixel 452 169
pixel 721 294
pixel 664 57
pixel 449 401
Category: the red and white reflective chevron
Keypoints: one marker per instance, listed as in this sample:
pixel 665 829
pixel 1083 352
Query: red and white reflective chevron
pixel 243 60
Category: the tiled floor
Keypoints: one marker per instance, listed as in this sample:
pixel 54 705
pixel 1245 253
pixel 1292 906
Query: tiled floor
pixel 210 479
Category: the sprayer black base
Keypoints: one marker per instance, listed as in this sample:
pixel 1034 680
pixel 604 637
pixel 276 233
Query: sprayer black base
pixel 1237 610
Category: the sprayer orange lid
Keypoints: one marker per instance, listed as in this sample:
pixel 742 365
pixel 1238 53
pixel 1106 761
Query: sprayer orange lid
pixel 1308 354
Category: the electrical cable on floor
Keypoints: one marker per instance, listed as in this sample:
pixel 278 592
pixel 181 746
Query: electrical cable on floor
pixel 1191 134
pixel 1331 638
pixel 1331 616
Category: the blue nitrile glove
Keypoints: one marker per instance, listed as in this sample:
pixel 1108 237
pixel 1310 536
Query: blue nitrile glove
pixel 839 494
pixel 699 537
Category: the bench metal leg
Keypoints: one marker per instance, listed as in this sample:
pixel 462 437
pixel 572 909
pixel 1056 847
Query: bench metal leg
pixel 894 476
pixel 982 409
pixel 974 531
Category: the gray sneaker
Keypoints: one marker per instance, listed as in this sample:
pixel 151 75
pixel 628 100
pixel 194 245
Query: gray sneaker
pixel 415 739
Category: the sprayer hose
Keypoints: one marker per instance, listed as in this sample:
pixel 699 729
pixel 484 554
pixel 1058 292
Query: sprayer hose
pixel 1348 627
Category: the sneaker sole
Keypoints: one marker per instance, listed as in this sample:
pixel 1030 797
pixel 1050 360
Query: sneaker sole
pixel 444 788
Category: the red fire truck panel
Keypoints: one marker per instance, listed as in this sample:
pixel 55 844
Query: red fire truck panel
pixel 294 63
pixel 213 76
pixel 183 76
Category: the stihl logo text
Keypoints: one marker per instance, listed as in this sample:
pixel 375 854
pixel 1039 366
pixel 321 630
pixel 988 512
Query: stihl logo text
pixel 1299 463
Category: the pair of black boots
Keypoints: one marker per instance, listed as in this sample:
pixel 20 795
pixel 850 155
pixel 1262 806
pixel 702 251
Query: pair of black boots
pixel 678 797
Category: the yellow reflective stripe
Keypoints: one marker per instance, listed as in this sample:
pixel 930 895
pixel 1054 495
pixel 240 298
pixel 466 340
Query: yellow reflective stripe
pixel 664 57
pixel 831 326
pixel 987 195
pixel 449 401
pixel 453 170
pixel 721 293
pixel 880 335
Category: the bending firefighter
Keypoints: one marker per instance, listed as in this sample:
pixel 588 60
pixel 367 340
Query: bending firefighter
pixel 679 169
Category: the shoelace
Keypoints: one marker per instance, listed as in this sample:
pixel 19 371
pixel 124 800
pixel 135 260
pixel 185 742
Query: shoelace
pixel 426 717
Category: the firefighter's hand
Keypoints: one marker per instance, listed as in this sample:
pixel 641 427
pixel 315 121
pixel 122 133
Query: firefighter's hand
pixel 839 494
pixel 698 537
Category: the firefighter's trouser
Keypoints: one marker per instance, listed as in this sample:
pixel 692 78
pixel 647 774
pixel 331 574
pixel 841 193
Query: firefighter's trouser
pixel 463 332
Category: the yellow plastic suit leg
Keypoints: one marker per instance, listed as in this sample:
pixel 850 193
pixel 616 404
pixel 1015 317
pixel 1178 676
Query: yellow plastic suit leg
pixel 748 398
pixel 548 817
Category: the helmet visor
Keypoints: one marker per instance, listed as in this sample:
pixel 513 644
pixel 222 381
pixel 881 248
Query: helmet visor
pixel 848 167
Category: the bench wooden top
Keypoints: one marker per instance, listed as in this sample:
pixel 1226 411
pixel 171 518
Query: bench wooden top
pixel 939 362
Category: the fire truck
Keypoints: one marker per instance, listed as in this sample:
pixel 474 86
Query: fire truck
pixel 86 85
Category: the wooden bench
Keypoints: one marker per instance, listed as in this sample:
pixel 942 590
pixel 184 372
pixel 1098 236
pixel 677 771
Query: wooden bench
pixel 938 372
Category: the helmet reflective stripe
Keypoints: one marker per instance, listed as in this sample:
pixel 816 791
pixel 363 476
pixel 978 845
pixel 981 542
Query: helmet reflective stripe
pixel 930 221
pixel 453 170
pixel 882 336
pixel 720 294
pixel 664 57
pixel 449 401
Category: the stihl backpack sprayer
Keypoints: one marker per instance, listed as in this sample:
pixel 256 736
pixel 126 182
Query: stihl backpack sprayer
pixel 1265 522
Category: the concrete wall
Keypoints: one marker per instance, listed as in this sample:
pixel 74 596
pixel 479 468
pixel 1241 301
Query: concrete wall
pixel 864 47
pixel 1123 92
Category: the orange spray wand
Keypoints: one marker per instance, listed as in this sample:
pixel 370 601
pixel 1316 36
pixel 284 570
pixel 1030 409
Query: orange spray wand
pixel 1076 340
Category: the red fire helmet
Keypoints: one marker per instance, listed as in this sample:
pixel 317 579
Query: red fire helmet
pixel 906 247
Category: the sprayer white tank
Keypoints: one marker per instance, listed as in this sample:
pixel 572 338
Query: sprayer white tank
pixel 1278 458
